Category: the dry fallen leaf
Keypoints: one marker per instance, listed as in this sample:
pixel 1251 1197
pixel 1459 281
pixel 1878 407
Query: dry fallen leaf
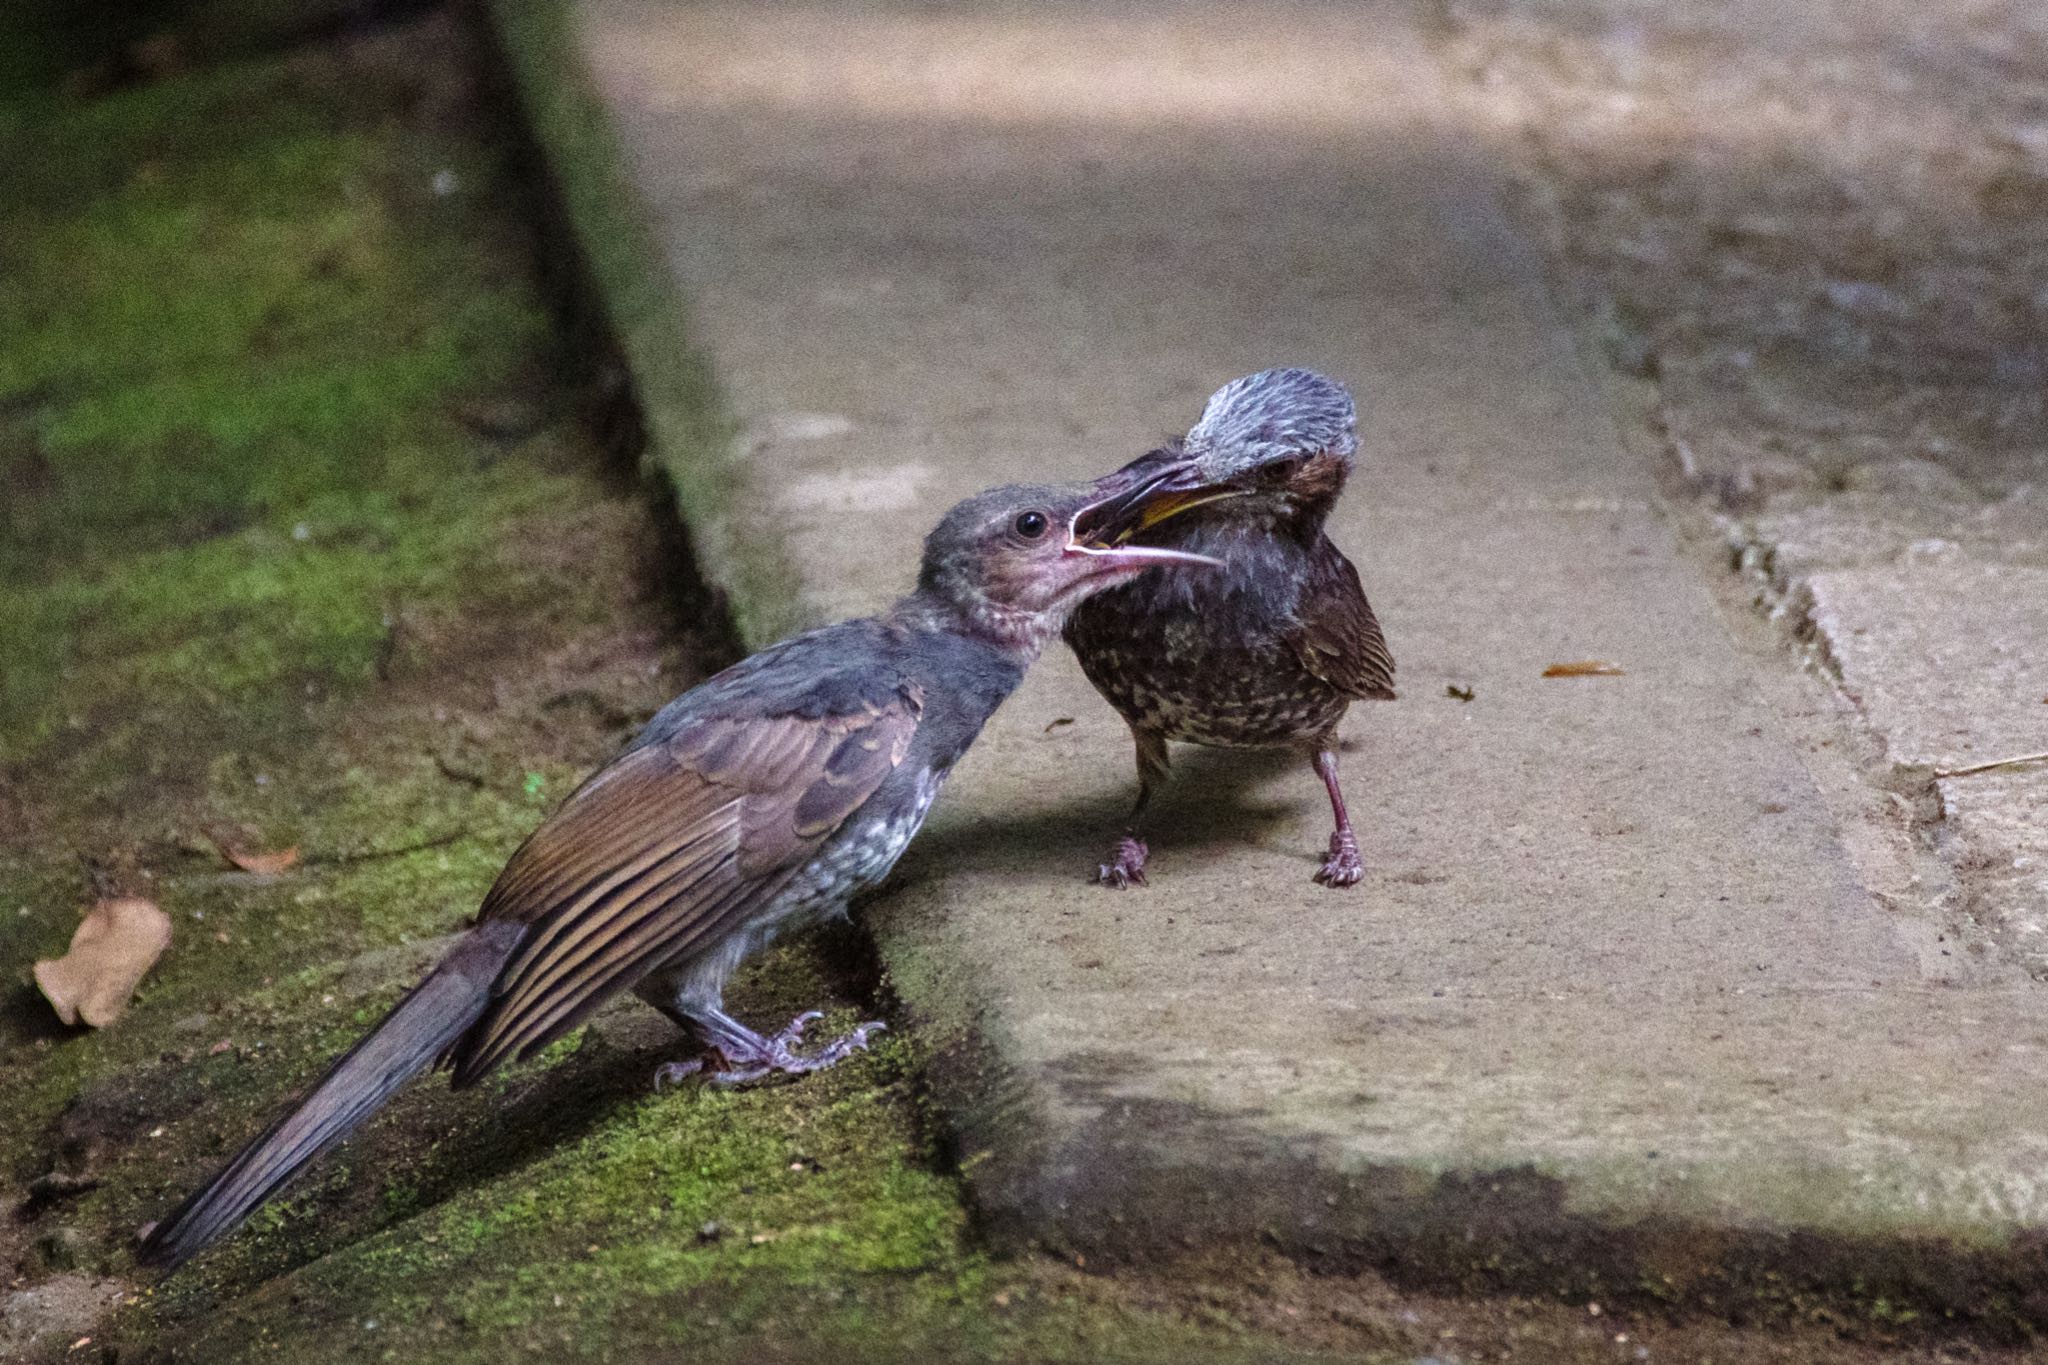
pixel 267 864
pixel 115 946
pixel 263 864
pixel 1584 668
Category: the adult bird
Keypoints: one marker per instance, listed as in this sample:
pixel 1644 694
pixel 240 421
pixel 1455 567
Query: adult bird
pixel 1267 652
pixel 756 803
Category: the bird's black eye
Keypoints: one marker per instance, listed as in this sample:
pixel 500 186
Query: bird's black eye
pixel 1032 525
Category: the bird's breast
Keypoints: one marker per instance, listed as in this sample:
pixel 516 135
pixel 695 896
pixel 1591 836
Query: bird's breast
pixel 863 850
pixel 1216 677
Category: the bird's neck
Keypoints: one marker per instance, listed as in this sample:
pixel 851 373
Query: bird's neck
pixel 1020 635
pixel 1316 485
pixel 1239 529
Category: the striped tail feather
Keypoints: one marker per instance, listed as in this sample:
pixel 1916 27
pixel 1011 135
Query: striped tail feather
pixel 417 1031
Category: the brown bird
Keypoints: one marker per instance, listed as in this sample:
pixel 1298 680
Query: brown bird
pixel 753 805
pixel 1271 650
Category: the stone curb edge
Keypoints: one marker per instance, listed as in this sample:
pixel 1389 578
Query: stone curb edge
pixel 692 439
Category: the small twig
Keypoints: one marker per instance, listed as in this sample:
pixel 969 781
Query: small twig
pixel 462 775
pixel 2014 762
pixel 363 855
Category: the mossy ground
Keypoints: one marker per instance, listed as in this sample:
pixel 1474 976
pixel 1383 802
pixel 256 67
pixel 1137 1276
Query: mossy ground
pixel 303 546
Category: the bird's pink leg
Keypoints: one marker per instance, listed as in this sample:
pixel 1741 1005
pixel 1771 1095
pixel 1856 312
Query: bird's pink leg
pixel 1343 867
pixel 1126 865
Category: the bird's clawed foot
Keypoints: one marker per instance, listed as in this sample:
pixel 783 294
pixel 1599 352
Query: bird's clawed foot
pixel 1343 867
pixel 753 1057
pixel 1126 865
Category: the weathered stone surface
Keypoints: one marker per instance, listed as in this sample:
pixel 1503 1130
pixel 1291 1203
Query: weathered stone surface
pixel 1945 656
pixel 1835 302
pixel 1997 829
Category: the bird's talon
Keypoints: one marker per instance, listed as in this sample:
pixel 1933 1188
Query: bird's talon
pixel 726 1080
pixel 858 1039
pixel 675 1073
pixel 1343 867
pixel 776 1056
pixel 1126 865
pixel 793 1032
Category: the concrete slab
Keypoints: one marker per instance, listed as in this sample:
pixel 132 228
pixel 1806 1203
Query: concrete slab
pixel 1945 655
pixel 1805 294
pixel 1947 658
pixel 1613 1010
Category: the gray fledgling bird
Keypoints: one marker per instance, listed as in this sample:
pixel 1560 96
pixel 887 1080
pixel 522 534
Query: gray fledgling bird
pixel 1271 650
pixel 755 804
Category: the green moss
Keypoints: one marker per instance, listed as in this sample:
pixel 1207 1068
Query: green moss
pixel 217 333
pixel 238 501
pixel 796 1222
pixel 227 390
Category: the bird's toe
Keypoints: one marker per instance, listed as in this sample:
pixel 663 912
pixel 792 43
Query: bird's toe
pixel 1126 865
pixel 841 1048
pixel 729 1077
pixel 793 1032
pixel 1343 867
pixel 675 1073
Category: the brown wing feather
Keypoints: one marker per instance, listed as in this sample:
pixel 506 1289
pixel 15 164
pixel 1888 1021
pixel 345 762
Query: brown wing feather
pixel 669 845
pixel 1340 640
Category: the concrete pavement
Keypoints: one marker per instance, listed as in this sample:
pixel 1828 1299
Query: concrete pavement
pixel 1835 304
pixel 1640 994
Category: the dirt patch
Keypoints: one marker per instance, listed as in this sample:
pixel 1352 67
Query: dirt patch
pixel 1811 226
pixel 1345 1314
pixel 52 1316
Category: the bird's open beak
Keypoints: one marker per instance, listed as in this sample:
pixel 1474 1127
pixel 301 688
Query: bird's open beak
pixel 1164 493
pixel 1103 528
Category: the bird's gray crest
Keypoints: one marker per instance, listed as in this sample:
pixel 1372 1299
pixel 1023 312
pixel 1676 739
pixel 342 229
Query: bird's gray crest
pixel 1275 414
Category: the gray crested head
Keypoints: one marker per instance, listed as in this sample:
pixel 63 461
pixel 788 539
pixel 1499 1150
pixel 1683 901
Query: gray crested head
pixel 1282 414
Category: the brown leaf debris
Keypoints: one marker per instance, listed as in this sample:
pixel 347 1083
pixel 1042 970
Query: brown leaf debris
pixel 263 864
pixel 1584 668
pixel 115 946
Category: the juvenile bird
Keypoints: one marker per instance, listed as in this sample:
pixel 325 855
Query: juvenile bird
pixel 1270 650
pixel 754 804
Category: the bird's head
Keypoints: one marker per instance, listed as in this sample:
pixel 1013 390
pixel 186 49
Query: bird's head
pixel 1271 448
pixel 1011 563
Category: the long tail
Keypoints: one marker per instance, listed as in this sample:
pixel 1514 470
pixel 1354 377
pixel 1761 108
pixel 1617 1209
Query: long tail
pixel 422 1025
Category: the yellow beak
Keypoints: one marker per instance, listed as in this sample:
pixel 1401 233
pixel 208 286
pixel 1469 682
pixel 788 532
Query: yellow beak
pixel 1162 506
